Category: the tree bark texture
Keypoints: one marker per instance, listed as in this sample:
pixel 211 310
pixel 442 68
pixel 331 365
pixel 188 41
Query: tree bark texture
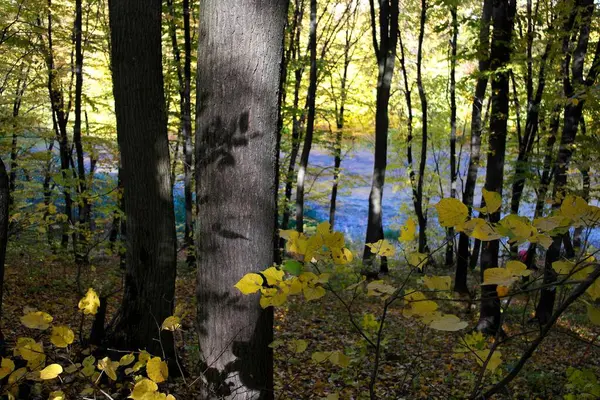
pixel 236 151
pixel 148 201
pixel 500 51
pixel 385 51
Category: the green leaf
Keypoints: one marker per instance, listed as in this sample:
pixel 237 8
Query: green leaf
pixel 292 267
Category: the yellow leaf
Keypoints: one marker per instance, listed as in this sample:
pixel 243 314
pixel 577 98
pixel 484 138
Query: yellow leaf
pixel 420 308
pixel 484 232
pixel 382 248
pixel 517 228
pixel 51 371
pixel 57 395
pixel 517 268
pixel 341 256
pixel 544 240
pixel 62 336
pixel 157 370
pixel 171 323
pixel 298 346
pixel 340 359
pixel 548 223
pixel 127 359
pixel 250 283
pixel 313 293
pixel 332 396
pixel 109 367
pixel 320 356
pixel 437 282
pixel 143 389
pixel 6 367
pixel 408 231
pixel 273 275
pixel 378 288
pixel 594 290
pixel 448 322
pixel 497 276
pixel 494 362
pixel 575 208
pixel 451 212
pixel 592 216
pixel 37 320
pixel 16 376
pixel 90 302
pixel 563 267
pixel 493 202
pixel 416 259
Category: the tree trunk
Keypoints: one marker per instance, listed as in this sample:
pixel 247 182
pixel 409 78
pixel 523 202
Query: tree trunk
pixel 184 82
pixel 348 44
pixel 310 122
pixel 385 51
pixel 503 19
pixel 297 122
pixel 236 135
pixel 148 202
pixel 453 45
pixel 422 213
pixel 83 200
pixel 60 112
pixel 4 200
pixel 463 256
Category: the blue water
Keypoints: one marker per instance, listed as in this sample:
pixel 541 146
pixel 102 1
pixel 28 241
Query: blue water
pixel 352 203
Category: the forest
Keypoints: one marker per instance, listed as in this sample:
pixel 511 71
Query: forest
pixel 299 199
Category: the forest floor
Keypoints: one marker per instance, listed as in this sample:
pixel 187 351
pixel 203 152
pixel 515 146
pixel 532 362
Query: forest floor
pixel 417 362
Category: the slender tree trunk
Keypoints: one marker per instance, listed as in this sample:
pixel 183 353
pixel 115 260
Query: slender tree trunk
pixel 83 200
pixel 149 287
pixel 385 51
pixel 422 213
pixel 453 45
pixel 463 256
pixel 20 90
pixel 60 112
pixel 236 145
pixel 503 19
pixel 297 122
pixel 4 200
pixel 338 142
pixel 310 122
pixel 184 83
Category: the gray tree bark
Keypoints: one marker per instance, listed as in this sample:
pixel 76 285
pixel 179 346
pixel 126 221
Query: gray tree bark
pixel 236 152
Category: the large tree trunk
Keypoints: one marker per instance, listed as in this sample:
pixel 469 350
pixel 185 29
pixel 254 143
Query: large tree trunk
pixel 462 259
pixel 385 51
pixel 148 202
pixel 310 122
pixel 503 18
pixel 236 135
